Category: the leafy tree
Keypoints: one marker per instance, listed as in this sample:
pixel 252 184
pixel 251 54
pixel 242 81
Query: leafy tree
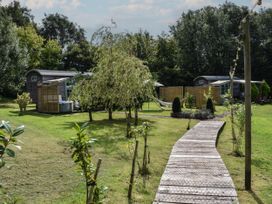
pixel 58 27
pixel 13 58
pixel 79 56
pixel 51 55
pixel 21 16
pixel 85 94
pixel 33 42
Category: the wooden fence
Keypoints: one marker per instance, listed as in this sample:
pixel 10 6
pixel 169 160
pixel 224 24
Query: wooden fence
pixel 169 93
pixel 48 99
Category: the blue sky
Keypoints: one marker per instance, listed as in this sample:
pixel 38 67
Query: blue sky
pixel 154 16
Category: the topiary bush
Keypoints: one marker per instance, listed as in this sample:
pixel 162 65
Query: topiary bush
pixel 23 100
pixel 176 106
pixel 254 92
pixel 210 106
pixel 264 90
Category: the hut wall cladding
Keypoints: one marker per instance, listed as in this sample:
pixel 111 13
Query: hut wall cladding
pixel 169 93
pixel 48 99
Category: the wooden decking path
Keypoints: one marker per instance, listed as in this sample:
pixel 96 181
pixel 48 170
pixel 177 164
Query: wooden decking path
pixel 195 172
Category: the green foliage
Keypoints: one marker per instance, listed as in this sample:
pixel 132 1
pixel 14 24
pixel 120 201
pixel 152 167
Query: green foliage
pixel 176 106
pixel 33 42
pixel 8 137
pixel 19 15
pixel 265 89
pixel 254 92
pixel 210 105
pixel 51 55
pixel 13 60
pixel 23 100
pixel 58 27
pixel 79 56
pixel 240 124
pixel 83 158
pixel 189 100
pixel 142 131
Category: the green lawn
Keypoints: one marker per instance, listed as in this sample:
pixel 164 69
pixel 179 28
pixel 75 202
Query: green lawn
pixel 43 171
pixel 261 157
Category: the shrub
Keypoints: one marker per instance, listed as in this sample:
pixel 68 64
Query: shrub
pixel 176 107
pixel 254 92
pixel 210 106
pixel 265 90
pixel 23 100
pixel 189 102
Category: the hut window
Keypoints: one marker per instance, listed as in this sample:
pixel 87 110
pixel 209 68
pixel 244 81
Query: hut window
pixel 34 78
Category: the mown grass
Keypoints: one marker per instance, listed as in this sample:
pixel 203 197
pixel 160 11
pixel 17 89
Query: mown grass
pixel 261 157
pixel 43 171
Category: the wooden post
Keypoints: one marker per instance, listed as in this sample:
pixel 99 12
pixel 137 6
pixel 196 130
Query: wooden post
pixel 247 70
pixel 132 171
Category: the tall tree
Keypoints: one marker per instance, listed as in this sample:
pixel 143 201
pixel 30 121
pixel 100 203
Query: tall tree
pixel 58 27
pixel 33 42
pixel 13 58
pixel 79 56
pixel 51 55
pixel 21 16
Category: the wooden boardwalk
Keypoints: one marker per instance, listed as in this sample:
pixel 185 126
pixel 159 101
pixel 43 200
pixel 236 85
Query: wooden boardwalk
pixel 195 172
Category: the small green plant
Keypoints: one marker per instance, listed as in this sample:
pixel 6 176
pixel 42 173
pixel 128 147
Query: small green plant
pixel 254 92
pixel 176 107
pixel 82 157
pixel 143 132
pixel 8 137
pixel 209 94
pixel 189 101
pixel 240 124
pixel 210 105
pixel 23 100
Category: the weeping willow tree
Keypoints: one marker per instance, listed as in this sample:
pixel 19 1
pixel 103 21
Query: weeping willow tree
pixel 133 83
pixel 128 78
pixel 85 94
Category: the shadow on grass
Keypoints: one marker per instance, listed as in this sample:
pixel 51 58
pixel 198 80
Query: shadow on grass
pixel 110 134
pixel 32 112
pixel 151 111
pixel 256 197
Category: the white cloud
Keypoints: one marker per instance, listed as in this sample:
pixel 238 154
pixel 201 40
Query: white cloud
pixel 135 6
pixel 47 4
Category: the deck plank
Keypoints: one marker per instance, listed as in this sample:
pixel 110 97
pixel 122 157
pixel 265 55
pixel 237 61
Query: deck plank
pixel 195 172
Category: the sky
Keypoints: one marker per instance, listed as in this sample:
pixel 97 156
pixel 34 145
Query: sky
pixel 154 16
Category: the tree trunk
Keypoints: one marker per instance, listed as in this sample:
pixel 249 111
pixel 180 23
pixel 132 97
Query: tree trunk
pixel 90 115
pixel 136 116
pixel 91 191
pixel 128 125
pixel 129 112
pixel 132 171
pixel 144 168
pixel 110 113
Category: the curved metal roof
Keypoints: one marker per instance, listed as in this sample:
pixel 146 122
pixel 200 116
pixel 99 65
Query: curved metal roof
pixel 59 73
pixel 214 78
